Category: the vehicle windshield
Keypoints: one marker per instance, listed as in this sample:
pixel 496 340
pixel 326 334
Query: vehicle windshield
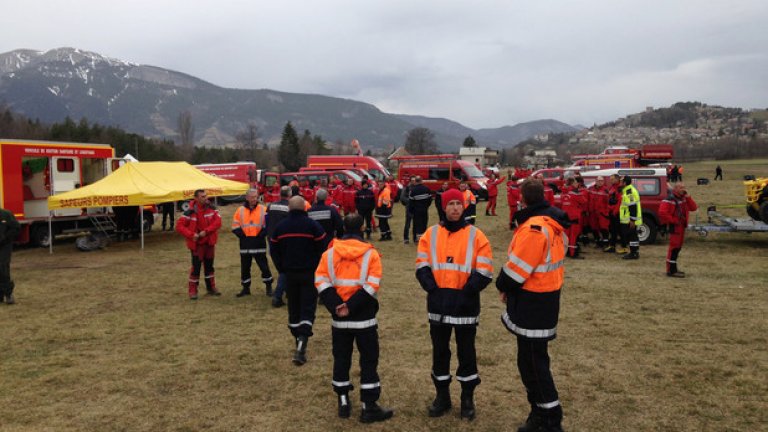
pixel 473 171
pixel 378 174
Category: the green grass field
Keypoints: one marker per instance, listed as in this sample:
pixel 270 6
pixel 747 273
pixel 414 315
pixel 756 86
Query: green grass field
pixel 108 341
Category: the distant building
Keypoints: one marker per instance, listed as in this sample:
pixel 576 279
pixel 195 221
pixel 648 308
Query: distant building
pixel 480 156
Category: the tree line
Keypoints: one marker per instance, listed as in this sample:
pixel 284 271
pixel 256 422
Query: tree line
pixel 289 155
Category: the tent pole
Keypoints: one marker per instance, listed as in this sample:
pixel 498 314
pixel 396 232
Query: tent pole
pixel 50 233
pixel 142 228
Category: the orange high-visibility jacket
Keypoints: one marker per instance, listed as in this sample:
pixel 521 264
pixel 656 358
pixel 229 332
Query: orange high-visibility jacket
pixel 532 278
pixel 536 255
pixel 350 272
pixel 385 197
pixel 469 198
pixel 453 267
pixel 250 221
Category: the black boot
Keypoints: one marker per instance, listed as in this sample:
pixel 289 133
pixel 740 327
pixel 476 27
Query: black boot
pixel 533 423
pixel 345 408
pixel 269 289
pixel 631 256
pixel 246 291
pixel 300 356
pixel 467 407
pixel 372 412
pixel 441 404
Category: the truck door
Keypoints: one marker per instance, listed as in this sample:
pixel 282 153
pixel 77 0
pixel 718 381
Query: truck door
pixel 112 165
pixel 65 176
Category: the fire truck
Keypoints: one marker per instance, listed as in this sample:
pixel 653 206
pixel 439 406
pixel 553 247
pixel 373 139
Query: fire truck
pixel 31 171
pixel 244 172
pixel 625 157
pixel 443 168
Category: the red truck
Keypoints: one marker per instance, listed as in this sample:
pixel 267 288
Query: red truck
pixel 31 171
pixel 438 169
pixel 377 171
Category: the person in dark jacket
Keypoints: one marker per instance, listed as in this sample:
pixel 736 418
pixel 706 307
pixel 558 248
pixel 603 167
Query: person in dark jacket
pixel 296 246
pixel 365 203
pixel 453 264
pixel 9 230
pixel 419 200
pixel 327 216
pixel 405 201
pixel 276 212
pixel 439 201
pixel 169 213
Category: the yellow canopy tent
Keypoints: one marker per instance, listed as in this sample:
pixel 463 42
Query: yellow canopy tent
pixel 140 183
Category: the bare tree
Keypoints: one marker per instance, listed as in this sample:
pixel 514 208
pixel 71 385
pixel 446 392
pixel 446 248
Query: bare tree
pixel 249 141
pixel 186 132
pixel 420 141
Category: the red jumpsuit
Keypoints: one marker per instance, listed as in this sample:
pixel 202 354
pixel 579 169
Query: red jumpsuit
pixel 598 211
pixel 513 199
pixel 493 192
pixel 574 202
pixel 348 199
pixel 674 212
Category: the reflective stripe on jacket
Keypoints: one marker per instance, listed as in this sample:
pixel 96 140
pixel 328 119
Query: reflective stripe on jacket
pixel 536 254
pixel 350 272
pixel 453 257
pixel 251 221
pixel 630 209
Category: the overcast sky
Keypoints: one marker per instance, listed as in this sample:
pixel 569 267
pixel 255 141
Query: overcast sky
pixel 481 63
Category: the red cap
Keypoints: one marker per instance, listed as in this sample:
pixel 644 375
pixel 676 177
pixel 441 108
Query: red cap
pixel 450 195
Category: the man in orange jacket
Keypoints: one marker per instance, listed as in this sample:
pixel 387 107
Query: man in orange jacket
pixel 529 285
pixel 200 225
pixel 347 280
pixel 384 212
pixel 453 264
pixel 470 203
pixel 249 225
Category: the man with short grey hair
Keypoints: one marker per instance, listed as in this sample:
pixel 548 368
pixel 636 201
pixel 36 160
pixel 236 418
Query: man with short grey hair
pixel 327 216
pixel 249 225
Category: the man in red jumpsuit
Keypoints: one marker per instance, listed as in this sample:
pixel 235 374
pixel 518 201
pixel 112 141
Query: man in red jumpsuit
pixel 598 212
pixel 493 192
pixel 348 197
pixel 674 213
pixel 200 225
pixel 574 202
pixel 513 199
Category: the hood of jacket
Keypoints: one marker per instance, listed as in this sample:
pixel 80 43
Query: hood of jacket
pixel 543 209
pixel 351 248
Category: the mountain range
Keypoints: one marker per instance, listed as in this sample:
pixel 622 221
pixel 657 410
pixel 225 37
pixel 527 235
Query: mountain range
pixel 148 100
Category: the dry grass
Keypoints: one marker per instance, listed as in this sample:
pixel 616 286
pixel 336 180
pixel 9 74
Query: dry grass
pixel 108 341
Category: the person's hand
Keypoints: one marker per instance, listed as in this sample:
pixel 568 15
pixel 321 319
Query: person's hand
pixel 503 297
pixel 202 234
pixel 342 310
pixel 632 224
pixel 195 237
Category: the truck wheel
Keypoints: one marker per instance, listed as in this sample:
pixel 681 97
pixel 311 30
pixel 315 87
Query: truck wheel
pixel 764 211
pixel 88 243
pixel 646 232
pixel 39 235
pixel 753 212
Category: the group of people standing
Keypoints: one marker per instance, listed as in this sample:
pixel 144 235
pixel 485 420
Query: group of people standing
pixel 454 263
